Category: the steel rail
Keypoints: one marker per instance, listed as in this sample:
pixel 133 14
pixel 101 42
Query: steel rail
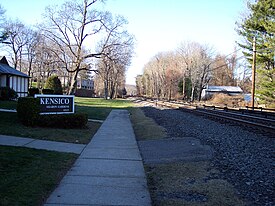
pixel 238 120
pixel 240 115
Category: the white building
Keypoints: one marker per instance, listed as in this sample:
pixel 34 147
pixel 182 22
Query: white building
pixel 10 77
pixel 85 84
pixel 209 91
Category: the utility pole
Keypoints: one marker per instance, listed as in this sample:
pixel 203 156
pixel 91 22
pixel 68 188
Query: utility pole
pixel 253 73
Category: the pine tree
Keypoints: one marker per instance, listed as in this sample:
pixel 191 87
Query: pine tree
pixel 261 25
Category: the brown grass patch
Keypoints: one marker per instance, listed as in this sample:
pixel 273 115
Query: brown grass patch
pixel 227 100
pixel 189 184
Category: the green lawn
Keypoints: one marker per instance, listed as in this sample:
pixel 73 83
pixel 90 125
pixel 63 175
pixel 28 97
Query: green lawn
pixel 28 176
pixel 98 108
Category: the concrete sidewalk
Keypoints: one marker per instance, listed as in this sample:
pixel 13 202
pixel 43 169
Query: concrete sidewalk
pixel 41 144
pixel 109 171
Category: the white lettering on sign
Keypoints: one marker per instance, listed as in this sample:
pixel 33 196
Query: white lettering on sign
pixel 56 104
pixel 52 100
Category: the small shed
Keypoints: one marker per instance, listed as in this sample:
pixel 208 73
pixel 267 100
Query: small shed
pixel 10 77
pixel 209 91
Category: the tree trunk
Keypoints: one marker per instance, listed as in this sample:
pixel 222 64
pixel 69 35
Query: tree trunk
pixel 183 88
pixel 116 86
pixel 112 95
pixel 106 89
pixel 73 85
pixel 193 94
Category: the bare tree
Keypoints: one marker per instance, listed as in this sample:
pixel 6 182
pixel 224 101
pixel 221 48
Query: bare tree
pixel 45 62
pixel 196 59
pixel 223 70
pixel 161 76
pixel 74 26
pixel 112 66
pixel 18 37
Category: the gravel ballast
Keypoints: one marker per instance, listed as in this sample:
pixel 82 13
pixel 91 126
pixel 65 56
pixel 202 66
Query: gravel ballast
pixel 244 157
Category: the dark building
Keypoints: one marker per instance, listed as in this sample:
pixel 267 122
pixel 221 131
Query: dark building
pixel 10 77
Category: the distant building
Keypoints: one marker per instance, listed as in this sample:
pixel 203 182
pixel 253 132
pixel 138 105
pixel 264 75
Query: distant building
pixel 85 87
pixel 10 77
pixel 209 91
pixel 85 84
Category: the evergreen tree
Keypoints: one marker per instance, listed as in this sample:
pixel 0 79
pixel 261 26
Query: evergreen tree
pixel 261 25
pixel 187 88
pixel 54 83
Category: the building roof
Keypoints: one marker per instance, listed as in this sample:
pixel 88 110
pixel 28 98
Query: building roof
pixel 223 88
pixel 6 69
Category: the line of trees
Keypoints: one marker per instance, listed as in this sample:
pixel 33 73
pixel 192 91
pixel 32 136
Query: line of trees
pixel 75 39
pixel 184 72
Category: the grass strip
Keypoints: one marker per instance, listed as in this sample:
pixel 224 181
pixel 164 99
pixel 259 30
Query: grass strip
pixel 144 127
pixel 28 176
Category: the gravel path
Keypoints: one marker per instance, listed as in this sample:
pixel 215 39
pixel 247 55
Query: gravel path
pixel 244 158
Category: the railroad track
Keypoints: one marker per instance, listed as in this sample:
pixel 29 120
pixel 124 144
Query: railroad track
pixel 260 120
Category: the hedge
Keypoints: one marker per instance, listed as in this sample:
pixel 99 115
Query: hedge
pixel 7 93
pixel 33 91
pixel 47 91
pixel 65 121
pixel 28 113
pixel 28 110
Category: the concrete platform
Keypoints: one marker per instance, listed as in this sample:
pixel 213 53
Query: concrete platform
pixel 109 171
pixel 41 144
pixel 111 153
pixel 83 194
pixel 174 150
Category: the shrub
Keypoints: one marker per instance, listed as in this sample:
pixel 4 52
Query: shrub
pixel 33 91
pixel 47 91
pixel 54 83
pixel 7 93
pixel 66 121
pixel 28 110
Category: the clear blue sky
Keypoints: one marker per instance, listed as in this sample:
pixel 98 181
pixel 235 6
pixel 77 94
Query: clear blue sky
pixel 158 25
